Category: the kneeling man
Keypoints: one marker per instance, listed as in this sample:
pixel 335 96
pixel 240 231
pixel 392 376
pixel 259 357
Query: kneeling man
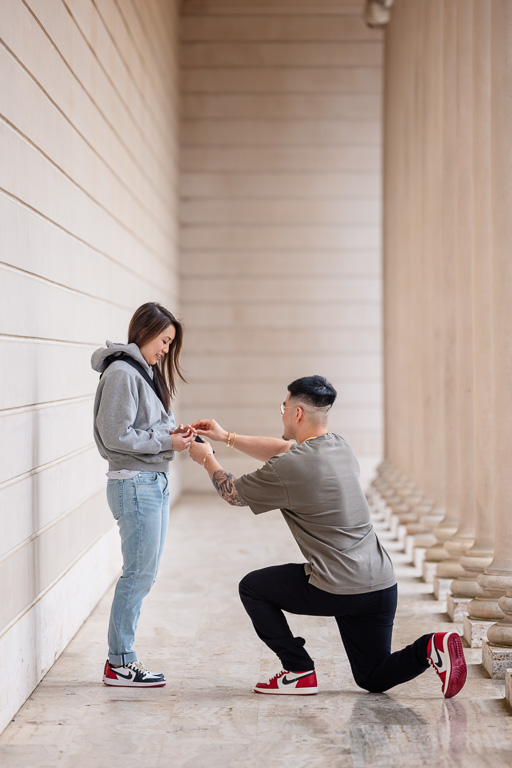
pixel 312 476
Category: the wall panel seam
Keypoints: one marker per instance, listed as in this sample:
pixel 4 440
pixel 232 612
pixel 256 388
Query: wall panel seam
pixel 49 465
pixel 163 133
pixel 86 141
pixel 160 66
pixel 126 146
pixel 29 408
pixel 26 542
pixel 46 340
pixel 84 191
pixel 134 37
pixel 169 265
pixel 61 286
pixel 47 589
pixel 137 48
pixel 146 140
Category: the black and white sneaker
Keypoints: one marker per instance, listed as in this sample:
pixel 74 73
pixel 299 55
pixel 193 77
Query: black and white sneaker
pixel 134 675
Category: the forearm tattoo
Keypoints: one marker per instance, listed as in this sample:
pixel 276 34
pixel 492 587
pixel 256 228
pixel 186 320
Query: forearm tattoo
pixel 224 483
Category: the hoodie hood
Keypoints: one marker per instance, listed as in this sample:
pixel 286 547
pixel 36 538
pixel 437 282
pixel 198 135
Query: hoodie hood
pixel 99 356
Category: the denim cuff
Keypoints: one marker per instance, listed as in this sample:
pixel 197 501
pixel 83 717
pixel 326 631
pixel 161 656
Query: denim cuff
pixel 123 658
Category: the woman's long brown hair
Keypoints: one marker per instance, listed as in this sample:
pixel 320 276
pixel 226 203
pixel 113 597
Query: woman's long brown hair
pixel 146 324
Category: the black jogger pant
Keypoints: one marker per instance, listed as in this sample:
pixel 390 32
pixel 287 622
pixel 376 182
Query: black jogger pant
pixel 365 622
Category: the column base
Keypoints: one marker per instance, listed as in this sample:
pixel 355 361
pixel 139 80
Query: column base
pixel 415 554
pixel 409 547
pixel 416 543
pixel 457 607
pixel 475 630
pixel 419 557
pixel 376 509
pixel 388 514
pixel 441 587
pixel 428 571
pixel 496 659
pixel 397 529
pixel 508 686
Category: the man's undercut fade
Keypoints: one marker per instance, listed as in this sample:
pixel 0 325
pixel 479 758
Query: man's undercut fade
pixel 313 390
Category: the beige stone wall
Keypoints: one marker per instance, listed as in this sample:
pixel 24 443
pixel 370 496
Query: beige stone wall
pixel 280 211
pixel 88 231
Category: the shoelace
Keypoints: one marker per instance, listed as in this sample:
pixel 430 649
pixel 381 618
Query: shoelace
pixel 282 672
pixel 138 665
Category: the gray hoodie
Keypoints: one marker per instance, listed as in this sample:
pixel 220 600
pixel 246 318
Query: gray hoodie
pixel 131 427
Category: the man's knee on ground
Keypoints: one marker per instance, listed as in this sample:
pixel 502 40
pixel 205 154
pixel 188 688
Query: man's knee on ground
pixel 369 684
pixel 246 586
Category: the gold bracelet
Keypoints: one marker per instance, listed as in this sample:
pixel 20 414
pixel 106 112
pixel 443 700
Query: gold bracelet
pixel 229 438
pixel 233 440
pixel 208 454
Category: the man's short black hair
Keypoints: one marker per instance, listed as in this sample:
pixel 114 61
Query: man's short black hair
pixel 313 390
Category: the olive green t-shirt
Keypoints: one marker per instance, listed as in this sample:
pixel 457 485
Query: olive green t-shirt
pixel 316 487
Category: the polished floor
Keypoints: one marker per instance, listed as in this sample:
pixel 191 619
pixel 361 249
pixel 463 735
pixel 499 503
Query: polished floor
pixel 194 628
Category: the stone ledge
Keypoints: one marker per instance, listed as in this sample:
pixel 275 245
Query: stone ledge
pixel 475 630
pixel 441 587
pixel 428 570
pixel 496 659
pixel 457 607
pixel 419 556
pixel 508 686
pixel 401 534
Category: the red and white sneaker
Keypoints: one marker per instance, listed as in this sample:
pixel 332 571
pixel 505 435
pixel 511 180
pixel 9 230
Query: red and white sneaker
pixel 133 675
pixel 290 684
pixel 446 656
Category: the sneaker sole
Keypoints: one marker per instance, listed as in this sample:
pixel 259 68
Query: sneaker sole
pixel 122 684
pixel 296 692
pixel 457 673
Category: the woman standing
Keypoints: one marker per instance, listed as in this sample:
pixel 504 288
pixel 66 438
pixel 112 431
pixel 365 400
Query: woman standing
pixel 135 432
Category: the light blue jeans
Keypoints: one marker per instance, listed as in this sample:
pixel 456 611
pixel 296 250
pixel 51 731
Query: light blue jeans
pixel 140 506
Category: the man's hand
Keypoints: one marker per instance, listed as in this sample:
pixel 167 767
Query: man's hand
pixel 211 429
pixel 182 429
pixel 199 450
pixel 182 437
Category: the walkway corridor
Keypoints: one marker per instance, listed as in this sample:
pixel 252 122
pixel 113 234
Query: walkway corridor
pixel 194 628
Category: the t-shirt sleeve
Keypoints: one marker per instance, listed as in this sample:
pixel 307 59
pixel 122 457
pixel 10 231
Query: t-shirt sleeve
pixel 262 490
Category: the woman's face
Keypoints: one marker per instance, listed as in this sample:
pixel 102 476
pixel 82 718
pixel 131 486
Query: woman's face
pixel 155 349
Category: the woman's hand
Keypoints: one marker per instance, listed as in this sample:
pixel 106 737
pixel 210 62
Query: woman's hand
pixel 210 428
pixel 199 450
pixel 182 438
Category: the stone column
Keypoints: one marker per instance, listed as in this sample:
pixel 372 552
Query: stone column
pixel 497 649
pixel 464 537
pixel 398 432
pixel 447 290
pixel 479 556
pixel 428 512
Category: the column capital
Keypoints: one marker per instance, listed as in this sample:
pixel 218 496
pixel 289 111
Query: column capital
pixel 377 13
